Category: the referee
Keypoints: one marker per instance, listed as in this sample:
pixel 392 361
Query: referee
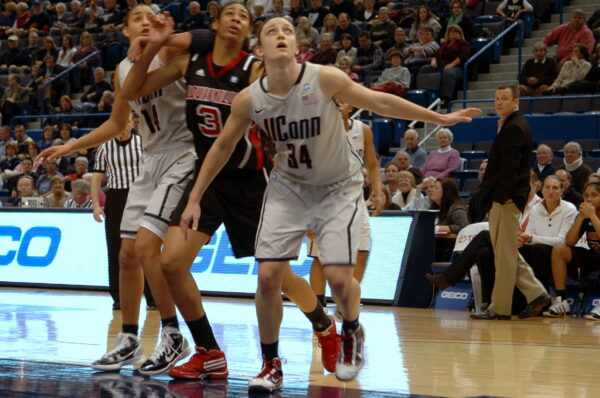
pixel 119 159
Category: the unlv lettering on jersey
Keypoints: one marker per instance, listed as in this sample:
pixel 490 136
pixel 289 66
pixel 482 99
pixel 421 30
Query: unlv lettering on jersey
pixel 208 94
pixel 149 97
pixel 279 130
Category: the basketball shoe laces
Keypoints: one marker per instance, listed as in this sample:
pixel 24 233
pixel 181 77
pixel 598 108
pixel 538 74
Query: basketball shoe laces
pixel 122 348
pixel 163 349
pixel 269 370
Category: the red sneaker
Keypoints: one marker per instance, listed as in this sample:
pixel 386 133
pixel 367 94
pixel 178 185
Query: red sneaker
pixel 329 341
pixel 202 365
pixel 269 379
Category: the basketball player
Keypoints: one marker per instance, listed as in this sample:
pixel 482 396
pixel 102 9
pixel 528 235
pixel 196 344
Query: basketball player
pixel 361 138
pixel 165 170
pixel 234 198
pixel 316 184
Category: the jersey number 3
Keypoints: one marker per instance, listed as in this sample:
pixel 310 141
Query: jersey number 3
pixel 211 125
pixel 303 157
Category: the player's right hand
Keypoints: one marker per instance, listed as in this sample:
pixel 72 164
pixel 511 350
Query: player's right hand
pixel 99 214
pixel 56 151
pixel 136 46
pixel 191 214
pixel 162 26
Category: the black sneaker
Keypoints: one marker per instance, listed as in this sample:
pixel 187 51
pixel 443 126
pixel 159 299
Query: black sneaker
pixel 127 351
pixel 351 359
pixel 173 347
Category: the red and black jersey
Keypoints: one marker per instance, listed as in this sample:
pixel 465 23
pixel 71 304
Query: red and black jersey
pixel 209 94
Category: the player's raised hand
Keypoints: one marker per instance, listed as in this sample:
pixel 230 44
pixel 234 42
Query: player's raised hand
pixel 460 116
pixel 162 26
pixel 56 151
pixel 136 46
pixel 191 214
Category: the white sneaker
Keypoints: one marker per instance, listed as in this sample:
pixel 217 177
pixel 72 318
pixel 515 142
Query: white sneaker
pixel 594 314
pixel 127 351
pixel 558 308
pixel 173 347
pixel 352 356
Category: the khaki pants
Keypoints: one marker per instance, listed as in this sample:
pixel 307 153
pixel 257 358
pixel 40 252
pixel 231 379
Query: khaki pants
pixel 511 268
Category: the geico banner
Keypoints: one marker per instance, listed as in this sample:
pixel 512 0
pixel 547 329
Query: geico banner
pixel 65 248
pixel 70 249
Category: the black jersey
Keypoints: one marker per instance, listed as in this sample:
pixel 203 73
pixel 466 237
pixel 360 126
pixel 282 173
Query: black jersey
pixel 209 94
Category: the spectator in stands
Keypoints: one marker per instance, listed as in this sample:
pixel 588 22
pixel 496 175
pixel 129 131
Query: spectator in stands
pixel 21 19
pixel 395 79
pixel 452 216
pixel 80 191
pixel 406 190
pixel 594 177
pixel 575 261
pixel 347 49
pixel 66 52
pixel 569 193
pixel 58 195
pixel 59 21
pixel 513 9
pixel 97 89
pixel 212 9
pixel 304 53
pixel 49 48
pixel 418 156
pixel 566 35
pixel 66 133
pixel 425 19
pixel 421 52
pixel 93 17
pixel 7 20
pixel 383 28
pixel 316 13
pixel 40 20
pixel 367 13
pixel 5 138
pixel 339 7
pixel 403 160
pixel 277 10
pixel 297 10
pixel 10 160
pixel 81 168
pixel 548 225
pixel 573 163
pixel 13 99
pixel 8 57
pixel 44 183
pixel 386 200
pixel 591 82
pixel 24 188
pixel 448 61
pixel 369 56
pixel 538 72
pixel 111 18
pixel 22 138
pixel 58 87
pixel 25 168
pixel 399 43
pixel 33 150
pixel 481 170
pixel 67 108
pixel 330 24
pixel 48 136
pixel 86 48
pixel 196 20
pixel 391 176
pixel 594 24
pixel 345 26
pixel 346 64
pixel 459 18
pixel 305 31
pixel 543 167
pixel 326 54
pixel 441 162
pixel 154 7
pixel 573 71
pixel 26 56
pixel 75 19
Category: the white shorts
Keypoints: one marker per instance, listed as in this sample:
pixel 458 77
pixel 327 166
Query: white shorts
pixel 364 242
pixel 332 212
pixel 156 191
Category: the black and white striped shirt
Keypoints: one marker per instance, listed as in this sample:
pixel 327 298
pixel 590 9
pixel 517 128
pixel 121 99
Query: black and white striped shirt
pixel 120 161
pixel 71 204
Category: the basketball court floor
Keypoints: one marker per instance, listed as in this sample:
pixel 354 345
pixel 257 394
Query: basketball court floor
pixel 49 337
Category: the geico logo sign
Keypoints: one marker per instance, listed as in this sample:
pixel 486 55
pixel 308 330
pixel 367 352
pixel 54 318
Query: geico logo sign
pixel 455 295
pixel 596 301
pixel 37 247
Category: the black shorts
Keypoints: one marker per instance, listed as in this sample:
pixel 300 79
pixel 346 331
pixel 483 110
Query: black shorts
pixel 583 262
pixel 234 201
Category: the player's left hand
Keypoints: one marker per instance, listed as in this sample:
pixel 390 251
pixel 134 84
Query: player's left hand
pixel 162 26
pixel 460 116
pixel 191 214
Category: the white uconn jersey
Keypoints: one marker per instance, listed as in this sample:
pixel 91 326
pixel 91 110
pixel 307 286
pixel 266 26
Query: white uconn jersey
pixel 307 129
pixel 162 113
pixel 356 137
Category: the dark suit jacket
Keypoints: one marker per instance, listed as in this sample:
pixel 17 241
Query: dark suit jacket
pixel 546 171
pixel 508 170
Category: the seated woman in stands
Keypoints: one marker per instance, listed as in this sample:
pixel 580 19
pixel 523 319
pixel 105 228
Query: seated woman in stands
pixel 572 72
pixel 406 190
pixel 391 176
pixel 575 261
pixel 57 195
pixel 441 162
pixel 452 216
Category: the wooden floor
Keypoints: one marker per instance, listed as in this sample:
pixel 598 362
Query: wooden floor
pixel 408 351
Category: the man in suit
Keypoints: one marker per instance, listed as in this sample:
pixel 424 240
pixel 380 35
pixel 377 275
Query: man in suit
pixel 543 167
pixel 505 188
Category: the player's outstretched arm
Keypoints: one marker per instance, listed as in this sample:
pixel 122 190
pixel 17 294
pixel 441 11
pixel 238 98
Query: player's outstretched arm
pixel 373 169
pixel 116 123
pixel 217 156
pixel 336 83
